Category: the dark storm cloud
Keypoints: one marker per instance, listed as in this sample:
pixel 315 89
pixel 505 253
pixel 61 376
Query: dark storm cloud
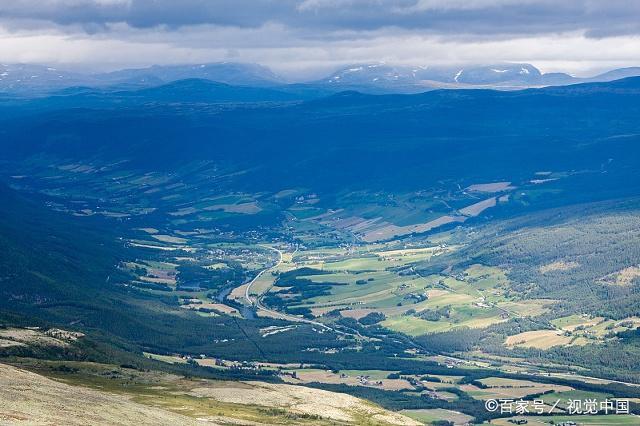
pixel 309 38
pixel 146 13
pixel 480 17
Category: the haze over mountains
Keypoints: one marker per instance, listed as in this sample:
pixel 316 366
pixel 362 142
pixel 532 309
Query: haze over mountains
pixel 369 78
pixel 23 78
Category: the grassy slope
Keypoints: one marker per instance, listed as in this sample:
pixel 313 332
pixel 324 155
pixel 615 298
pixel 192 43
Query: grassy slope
pixel 107 394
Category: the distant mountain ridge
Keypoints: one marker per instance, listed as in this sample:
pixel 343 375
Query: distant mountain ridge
pixel 382 73
pixel 301 141
pixel 223 72
pixel 505 76
pixel 202 90
pixel 24 79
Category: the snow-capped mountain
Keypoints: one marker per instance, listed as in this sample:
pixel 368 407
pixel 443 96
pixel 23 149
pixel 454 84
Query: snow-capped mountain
pixel 384 77
pixel 18 77
pixel 497 74
pixel 376 74
pixel 383 74
pixel 24 79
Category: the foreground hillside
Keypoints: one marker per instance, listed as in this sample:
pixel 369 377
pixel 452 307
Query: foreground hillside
pixel 29 398
pixel 107 395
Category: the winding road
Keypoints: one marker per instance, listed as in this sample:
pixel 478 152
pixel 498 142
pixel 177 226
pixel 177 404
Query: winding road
pixel 247 291
pixel 259 306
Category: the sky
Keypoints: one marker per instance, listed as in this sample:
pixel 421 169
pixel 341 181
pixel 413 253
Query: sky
pixel 308 38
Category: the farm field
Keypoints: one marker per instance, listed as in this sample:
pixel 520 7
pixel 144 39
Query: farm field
pixel 499 388
pixel 543 339
pixel 376 379
pixel 610 420
pixel 574 330
pixel 565 396
pixel 380 278
pixel 429 416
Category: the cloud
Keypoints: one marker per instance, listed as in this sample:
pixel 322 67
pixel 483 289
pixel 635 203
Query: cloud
pixel 294 35
pixel 595 17
pixel 469 4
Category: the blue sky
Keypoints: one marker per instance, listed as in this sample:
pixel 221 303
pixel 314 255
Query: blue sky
pixel 303 38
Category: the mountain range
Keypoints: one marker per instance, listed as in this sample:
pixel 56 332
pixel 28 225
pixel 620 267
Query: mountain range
pixel 25 78
pixel 505 76
pixel 369 78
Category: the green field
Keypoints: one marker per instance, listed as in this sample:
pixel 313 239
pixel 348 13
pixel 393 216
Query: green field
pixel 371 279
pixel 597 420
pixel 429 416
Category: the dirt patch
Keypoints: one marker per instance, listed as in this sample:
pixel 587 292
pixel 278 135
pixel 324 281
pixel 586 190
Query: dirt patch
pixel 386 231
pixel 541 339
pixel 29 336
pixel 322 376
pixel 475 209
pixel 626 276
pixel 5 343
pixel 558 266
pixel 169 239
pixel 244 208
pixel 218 307
pixel 490 187
pixel 357 313
pixel 271 330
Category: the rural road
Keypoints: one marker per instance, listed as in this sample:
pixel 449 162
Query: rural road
pixel 247 291
pixel 259 306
